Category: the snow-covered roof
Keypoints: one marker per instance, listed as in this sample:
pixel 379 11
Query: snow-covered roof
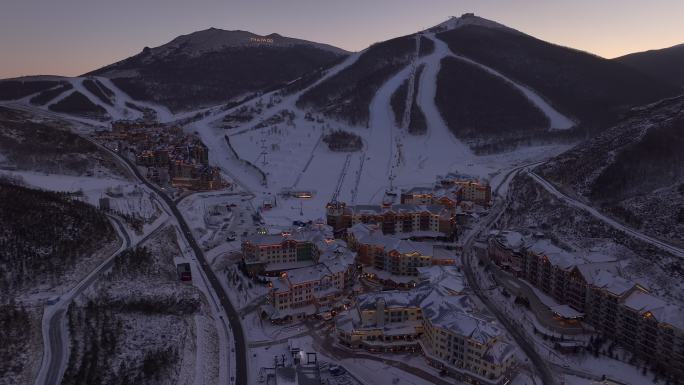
pixel 451 312
pixel 307 234
pixel 555 254
pixel 592 272
pixel 510 239
pixel 612 283
pixel 398 209
pixel 498 352
pixel 464 324
pixel 360 230
pixel 449 278
pixel 391 243
pixel 331 265
pixel 392 299
pixel 643 302
pixel 566 311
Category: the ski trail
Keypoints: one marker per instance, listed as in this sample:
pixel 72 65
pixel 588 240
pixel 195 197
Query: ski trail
pixel 438 151
pixel 406 118
pixel 380 141
pixel 120 99
pixel 112 111
pixel 288 101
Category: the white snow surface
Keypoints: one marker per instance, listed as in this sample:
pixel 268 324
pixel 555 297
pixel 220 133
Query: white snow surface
pixel 117 111
pixel 293 156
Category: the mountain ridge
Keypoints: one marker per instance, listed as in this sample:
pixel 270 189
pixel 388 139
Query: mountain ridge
pixel 664 64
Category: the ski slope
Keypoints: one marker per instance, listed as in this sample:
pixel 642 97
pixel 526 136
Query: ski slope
pixel 116 111
pixel 291 155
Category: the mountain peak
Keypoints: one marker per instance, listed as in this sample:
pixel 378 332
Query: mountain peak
pixel 215 39
pixel 470 19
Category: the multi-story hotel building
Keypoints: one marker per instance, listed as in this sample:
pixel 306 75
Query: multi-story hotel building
pixel 305 291
pixel 625 311
pixel 426 221
pixel 285 250
pixel 449 193
pixel 443 327
pixel 385 257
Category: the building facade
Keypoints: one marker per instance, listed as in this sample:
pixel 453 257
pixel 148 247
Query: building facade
pixel 438 220
pixel 618 308
pixel 439 325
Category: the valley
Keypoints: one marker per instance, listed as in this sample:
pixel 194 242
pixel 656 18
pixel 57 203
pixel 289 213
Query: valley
pixel 428 210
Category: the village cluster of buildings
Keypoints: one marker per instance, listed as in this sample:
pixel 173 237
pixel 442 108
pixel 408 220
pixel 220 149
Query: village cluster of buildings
pixel 310 272
pixel 592 286
pixel 437 319
pixel 427 213
pixel 419 221
pixel 388 237
pixel 169 155
pixel 450 191
pixel 391 260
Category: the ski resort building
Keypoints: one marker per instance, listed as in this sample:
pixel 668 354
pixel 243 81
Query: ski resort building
pixel 469 189
pixel 169 155
pixel 391 260
pixel 449 192
pixel 592 285
pixel 443 327
pixel 427 221
pixel 302 292
pixel 287 249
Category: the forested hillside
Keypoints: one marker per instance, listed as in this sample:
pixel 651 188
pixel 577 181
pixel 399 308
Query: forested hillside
pixel 44 234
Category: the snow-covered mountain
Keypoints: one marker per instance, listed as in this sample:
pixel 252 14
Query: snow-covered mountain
pixel 91 98
pixel 216 40
pixel 213 66
pixel 497 87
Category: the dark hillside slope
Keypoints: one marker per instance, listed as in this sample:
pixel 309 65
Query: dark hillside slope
pixel 12 89
pixel 78 104
pixel 482 109
pixel 212 66
pixel 29 143
pixel 666 65
pixel 634 170
pixel 585 87
pixel 44 234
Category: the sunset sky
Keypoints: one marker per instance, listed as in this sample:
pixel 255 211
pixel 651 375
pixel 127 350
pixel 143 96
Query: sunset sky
pixel 70 37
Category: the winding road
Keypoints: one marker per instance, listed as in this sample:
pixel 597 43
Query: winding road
pixel 55 353
pixel 518 335
pixel 240 350
pixel 548 186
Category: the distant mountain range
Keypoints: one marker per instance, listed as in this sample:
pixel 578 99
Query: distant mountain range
pixel 499 87
pixel 478 97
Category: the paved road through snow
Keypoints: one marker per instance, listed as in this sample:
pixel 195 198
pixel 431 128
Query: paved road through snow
pixel 613 223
